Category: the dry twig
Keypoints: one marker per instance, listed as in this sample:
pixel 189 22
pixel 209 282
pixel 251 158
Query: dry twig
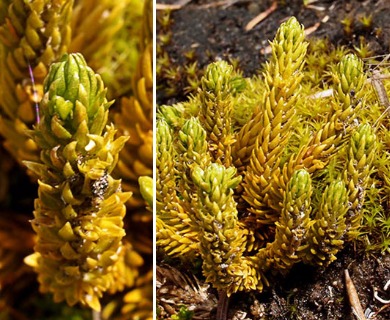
pixel 353 297
pixel 256 20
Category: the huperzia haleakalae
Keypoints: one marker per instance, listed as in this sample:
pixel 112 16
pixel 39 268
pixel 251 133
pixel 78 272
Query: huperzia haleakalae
pixel 33 34
pixel 80 209
pixel 256 175
pixel 65 26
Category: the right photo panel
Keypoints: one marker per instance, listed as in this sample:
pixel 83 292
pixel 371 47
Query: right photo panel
pixel 272 159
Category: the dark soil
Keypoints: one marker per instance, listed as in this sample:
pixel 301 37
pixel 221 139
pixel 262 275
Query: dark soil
pixel 313 293
pixel 218 32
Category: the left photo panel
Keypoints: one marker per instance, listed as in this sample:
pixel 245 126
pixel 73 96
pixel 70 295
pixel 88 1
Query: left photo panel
pixel 76 159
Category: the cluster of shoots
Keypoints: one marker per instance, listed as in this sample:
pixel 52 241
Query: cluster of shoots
pixel 257 175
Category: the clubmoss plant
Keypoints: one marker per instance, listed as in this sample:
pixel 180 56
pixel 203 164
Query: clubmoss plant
pixel 254 195
pixel 33 34
pixel 80 209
